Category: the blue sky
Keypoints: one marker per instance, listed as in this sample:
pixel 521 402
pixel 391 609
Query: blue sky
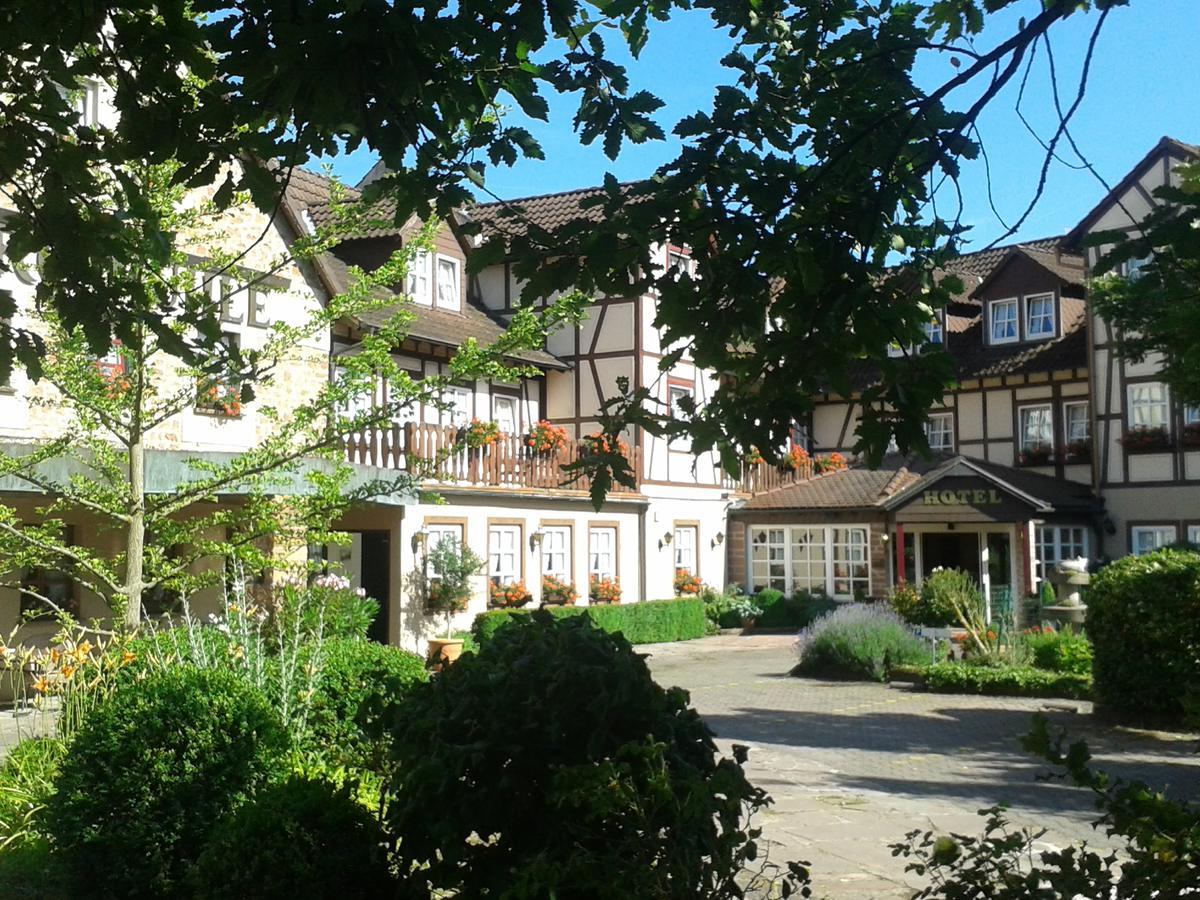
pixel 1145 82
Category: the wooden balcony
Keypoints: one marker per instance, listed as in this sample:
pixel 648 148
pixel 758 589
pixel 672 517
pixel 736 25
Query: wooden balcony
pixel 760 477
pixel 447 460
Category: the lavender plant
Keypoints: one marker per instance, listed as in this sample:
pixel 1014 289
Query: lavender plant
pixel 857 641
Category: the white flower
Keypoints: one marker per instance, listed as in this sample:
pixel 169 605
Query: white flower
pixel 361 592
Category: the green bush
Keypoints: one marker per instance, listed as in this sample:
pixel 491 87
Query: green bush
pixel 585 776
pixel 300 839
pixel 943 592
pixel 905 599
pixel 1144 623
pixel 651 622
pixel 1004 681
pixel 355 672
pixel 796 611
pixel 858 641
pixel 151 770
pixel 1059 651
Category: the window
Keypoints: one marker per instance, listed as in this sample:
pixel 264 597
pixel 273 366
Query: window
pixel 679 261
pixel 556 551
pixel 1147 538
pixel 1148 405
pixel 56 585
pixel 685 549
pixel 851 566
pixel 676 392
pixel 87 103
pixel 504 413
pixel 448 293
pixel 213 395
pixel 355 404
pixel 504 553
pixel 809 560
pixel 458 411
pixel 1058 542
pixel 1003 321
pixel 1191 415
pixel 1193 534
pixel 933 329
pixel 768 559
pixel 1134 268
pixel 939 430
pixel 420 275
pixel 1039 316
pixel 258 307
pixel 437 534
pixel 229 313
pixel 834 561
pixel 1036 430
pixel 1076 426
pixel 602 552
pixel 799 436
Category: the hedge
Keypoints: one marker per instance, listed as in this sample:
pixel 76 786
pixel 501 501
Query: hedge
pixel 797 611
pixel 1144 623
pixel 1010 681
pixel 650 622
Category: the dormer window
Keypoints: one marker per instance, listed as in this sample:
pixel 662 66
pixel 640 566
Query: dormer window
pixel 420 278
pixel 933 329
pixel 1002 321
pixel 448 283
pixel 1039 316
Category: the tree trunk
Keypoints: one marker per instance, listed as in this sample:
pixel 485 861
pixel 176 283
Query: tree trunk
pixel 135 538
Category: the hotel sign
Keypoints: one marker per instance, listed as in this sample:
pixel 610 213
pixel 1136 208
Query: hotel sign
pixel 965 497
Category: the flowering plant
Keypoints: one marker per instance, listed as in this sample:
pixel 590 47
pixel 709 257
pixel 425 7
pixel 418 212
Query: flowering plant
pixel 222 399
pixel 558 591
pixel 599 443
pixel 1080 450
pixel 546 438
pixel 1037 455
pixel 754 457
pixel 481 434
pixel 834 462
pixel 796 459
pixel 686 584
pixel 113 371
pixel 1191 435
pixel 603 590
pixel 1145 437
pixel 507 595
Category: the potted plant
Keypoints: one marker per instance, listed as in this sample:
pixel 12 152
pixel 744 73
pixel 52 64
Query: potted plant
pixel 448 592
pixel 507 595
pixel 478 435
pixel 558 592
pixel 796 459
pixel 1079 451
pixel 546 438
pixel 747 611
pixel 603 590
pixel 1037 455
pixel 1190 436
pixel 834 462
pixel 686 584
pixel 1146 439
pixel 754 457
pixel 220 400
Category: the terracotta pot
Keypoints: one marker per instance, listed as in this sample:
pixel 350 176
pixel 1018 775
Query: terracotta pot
pixel 443 652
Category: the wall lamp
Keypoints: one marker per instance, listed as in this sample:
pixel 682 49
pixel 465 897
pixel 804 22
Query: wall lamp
pixel 718 539
pixel 535 539
pixel 420 539
pixel 667 538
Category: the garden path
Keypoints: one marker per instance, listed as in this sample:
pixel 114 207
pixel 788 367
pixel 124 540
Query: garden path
pixel 853 767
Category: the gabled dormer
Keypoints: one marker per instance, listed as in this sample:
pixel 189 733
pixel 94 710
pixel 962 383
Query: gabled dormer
pixel 1022 298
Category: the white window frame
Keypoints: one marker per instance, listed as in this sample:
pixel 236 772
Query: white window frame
pixel 1193 534
pixel 1054 543
pixel 935 330
pixel 455 302
pixel 1051 318
pixel 499 400
pixel 87 104
pixel 686 550
pixel 556 551
pixel 1131 407
pixel 1160 536
pixel 1066 421
pixel 505 557
pixel 678 261
pixel 774 562
pixel 602 560
pixel 945 421
pixel 419 283
pixel 462 402
pixel 1016 320
pixel 435 533
pixel 1029 407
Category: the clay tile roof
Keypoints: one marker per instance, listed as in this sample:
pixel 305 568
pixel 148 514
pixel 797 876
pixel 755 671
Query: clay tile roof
pixel 544 211
pixel 853 488
pixel 980 263
pixel 975 359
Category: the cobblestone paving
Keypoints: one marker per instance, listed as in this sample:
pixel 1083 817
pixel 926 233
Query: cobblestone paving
pixel 853 767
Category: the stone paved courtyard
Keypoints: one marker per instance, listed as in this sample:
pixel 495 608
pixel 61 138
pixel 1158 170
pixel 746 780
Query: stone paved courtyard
pixel 853 767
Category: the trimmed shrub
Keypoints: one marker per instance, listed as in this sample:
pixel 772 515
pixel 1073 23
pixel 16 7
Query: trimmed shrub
pixel 1005 681
pixel 1144 623
pixel 1059 651
pixel 585 776
pixel 353 673
pixel 857 641
pixel 302 838
pixel 796 611
pixel 151 770
pixel 651 622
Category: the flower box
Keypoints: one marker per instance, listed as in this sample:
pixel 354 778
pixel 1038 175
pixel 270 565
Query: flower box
pixel 478 434
pixel 1040 455
pixel 558 592
pixel 1078 451
pixel 834 462
pixel 603 590
pixel 507 595
pixel 686 584
pixel 1146 440
pixel 1190 436
pixel 220 400
pixel 546 438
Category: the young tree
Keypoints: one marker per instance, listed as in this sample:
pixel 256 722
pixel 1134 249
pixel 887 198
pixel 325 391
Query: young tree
pixel 115 411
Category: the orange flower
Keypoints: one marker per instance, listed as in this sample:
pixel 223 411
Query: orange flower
pixel 127 657
pixel 41 685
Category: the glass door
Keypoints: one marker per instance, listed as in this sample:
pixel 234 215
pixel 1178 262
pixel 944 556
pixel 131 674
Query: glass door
pixel 998 587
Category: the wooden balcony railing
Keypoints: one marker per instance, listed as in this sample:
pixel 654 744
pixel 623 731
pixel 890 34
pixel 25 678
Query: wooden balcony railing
pixel 445 458
pixel 760 477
